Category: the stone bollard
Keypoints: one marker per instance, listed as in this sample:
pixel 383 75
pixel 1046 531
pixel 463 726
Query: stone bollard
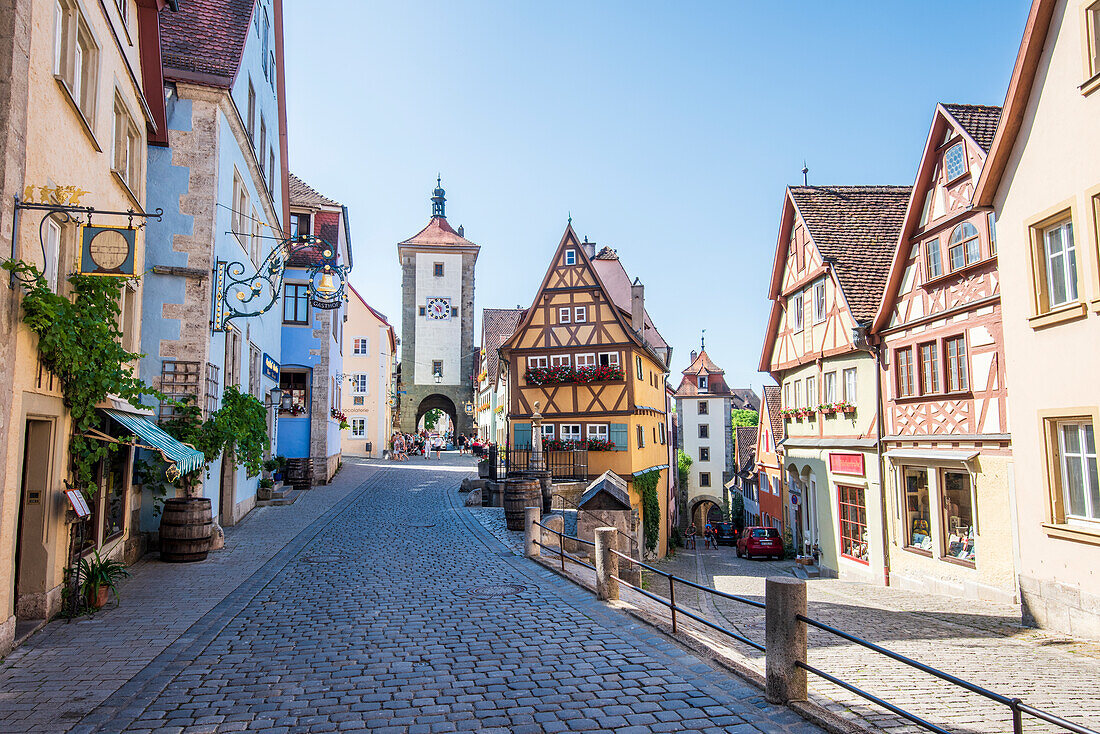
pixel 607 565
pixel 550 540
pixel 785 639
pixel 531 531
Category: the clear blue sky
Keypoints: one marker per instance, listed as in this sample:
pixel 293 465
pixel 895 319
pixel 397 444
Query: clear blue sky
pixel 668 129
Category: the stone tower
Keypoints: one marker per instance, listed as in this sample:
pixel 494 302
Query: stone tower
pixel 437 321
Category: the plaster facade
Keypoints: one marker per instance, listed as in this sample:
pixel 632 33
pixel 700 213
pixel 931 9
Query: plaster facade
pixel 370 346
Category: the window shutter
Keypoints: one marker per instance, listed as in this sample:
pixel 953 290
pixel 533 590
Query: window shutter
pixel 522 436
pixel 619 436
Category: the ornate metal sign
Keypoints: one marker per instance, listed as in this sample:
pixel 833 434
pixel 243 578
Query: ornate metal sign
pixel 239 292
pixel 107 251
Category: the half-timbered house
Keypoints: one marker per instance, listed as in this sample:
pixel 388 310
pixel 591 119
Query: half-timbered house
pixel 769 464
pixel 831 261
pixel 497 324
pixel 943 376
pixel 588 354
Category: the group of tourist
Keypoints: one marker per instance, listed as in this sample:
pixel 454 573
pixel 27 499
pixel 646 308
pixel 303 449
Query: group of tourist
pixel 710 536
pixel 403 445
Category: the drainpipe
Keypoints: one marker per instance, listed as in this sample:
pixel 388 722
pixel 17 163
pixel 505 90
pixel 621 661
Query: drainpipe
pixel 862 343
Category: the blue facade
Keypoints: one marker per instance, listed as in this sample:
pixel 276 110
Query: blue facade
pixel 205 134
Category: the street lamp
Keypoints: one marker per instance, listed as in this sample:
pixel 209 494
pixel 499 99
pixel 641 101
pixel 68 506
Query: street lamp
pixel 275 397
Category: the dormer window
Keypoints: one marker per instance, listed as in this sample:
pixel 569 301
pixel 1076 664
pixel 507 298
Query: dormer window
pixel 703 387
pixel 570 257
pixel 954 160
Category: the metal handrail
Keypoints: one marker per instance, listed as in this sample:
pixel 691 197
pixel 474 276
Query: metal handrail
pixel 1017 706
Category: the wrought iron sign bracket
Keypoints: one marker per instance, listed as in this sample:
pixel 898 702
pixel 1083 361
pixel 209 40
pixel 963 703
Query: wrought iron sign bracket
pixel 69 212
pixel 238 292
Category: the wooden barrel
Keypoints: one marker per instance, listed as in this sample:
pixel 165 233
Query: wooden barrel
pixel 519 494
pixel 186 529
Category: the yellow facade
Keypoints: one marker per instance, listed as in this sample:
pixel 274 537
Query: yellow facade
pixel 575 323
pixel 369 348
pixel 85 128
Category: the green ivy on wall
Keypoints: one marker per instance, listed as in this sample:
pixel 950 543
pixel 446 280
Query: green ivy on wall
pixel 646 484
pixel 80 342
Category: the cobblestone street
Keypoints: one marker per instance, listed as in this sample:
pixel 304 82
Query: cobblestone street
pixel 374 604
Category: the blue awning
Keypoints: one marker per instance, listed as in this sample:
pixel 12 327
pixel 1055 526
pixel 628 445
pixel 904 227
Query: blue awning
pixel 183 458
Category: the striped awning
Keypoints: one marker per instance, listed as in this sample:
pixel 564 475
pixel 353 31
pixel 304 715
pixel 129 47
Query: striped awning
pixel 183 458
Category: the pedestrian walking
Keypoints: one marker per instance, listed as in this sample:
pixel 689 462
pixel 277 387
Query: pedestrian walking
pixel 708 536
pixel 690 536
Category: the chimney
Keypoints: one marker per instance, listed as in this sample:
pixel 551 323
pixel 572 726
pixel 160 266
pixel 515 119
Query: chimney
pixel 589 248
pixel 637 308
pixel 694 355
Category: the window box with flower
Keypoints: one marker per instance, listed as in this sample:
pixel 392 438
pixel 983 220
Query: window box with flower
pixel 566 374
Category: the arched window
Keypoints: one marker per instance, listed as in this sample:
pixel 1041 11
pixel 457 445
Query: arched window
pixel 963 247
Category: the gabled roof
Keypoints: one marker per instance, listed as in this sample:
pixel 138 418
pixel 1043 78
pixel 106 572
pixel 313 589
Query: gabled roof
pixel 617 284
pixel 855 228
pixel 204 40
pixel 747 397
pixel 302 194
pixel 497 324
pixel 610 484
pixel 773 397
pixel 438 233
pixel 977 121
pixel 1016 100
pixel 745 443
pixel 703 364
pixel 378 315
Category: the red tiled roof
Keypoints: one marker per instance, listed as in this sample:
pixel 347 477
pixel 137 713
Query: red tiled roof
pixel 205 38
pixel 703 363
pixel 438 232
pixel 302 194
pixel 617 283
pixel 773 396
pixel 856 229
pixel 497 324
pixel 745 444
pixel 979 121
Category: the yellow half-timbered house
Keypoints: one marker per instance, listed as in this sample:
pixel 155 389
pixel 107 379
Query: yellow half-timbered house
pixel 587 352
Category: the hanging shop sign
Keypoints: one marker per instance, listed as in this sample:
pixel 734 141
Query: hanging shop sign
pixel 850 464
pixel 270 367
pixel 107 251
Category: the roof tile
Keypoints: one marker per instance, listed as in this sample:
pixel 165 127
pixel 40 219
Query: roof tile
pixel 205 37
pixel 979 121
pixel 302 194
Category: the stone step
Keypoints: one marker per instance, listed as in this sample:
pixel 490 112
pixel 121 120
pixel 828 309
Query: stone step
pixel 281 499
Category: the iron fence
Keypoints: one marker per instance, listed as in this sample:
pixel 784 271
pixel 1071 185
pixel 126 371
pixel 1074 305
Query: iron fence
pixel 1017 707
pixel 562 465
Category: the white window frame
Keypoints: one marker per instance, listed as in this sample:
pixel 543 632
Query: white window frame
pixel 798 393
pixel 538 362
pixel 1087 466
pixel 586 360
pixel 580 315
pixel 360 382
pixel 365 342
pixel 561 360
pixel 947 164
pixel 704 383
pixel 570 257
pixel 819 301
pixel 612 358
pixel 126 146
pixel 358 427
pixel 933 257
pixel 811 392
pixel 565 315
pixel 570 432
pixel 850 385
pixel 798 310
pixel 829 384
pixel 1092 25
pixel 548 431
pixel 1067 262
pixel 598 430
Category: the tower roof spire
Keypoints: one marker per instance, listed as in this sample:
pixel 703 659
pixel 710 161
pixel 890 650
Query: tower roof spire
pixel 439 200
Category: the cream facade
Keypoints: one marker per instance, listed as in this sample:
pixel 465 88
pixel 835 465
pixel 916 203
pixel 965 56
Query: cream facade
pixel 1042 181
pixel 367 396
pixel 86 117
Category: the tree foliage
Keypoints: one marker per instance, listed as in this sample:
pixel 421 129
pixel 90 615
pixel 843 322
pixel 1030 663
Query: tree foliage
pixel 683 469
pixel 80 343
pixel 745 418
pixel 646 484
pixel 431 418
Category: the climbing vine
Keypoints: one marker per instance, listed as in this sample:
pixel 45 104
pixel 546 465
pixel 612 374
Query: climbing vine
pixel 646 484
pixel 80 343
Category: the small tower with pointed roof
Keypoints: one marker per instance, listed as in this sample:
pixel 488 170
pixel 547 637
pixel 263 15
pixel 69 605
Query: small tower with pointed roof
pixel 437 320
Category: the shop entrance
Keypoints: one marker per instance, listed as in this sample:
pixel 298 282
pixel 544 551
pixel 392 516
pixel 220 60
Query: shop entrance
pixel 31 562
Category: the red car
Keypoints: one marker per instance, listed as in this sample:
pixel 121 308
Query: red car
pixel 757 541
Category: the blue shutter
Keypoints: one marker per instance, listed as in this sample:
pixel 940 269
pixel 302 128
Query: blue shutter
pixel 619 436
pixel 522 436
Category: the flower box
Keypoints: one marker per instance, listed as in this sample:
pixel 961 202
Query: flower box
pixel 565 375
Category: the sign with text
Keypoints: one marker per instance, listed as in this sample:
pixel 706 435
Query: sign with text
pixel 851 464
pixel 270 367
pixel 78 503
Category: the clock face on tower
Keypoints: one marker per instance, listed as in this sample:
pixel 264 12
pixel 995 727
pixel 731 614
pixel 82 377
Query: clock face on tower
pixel 439 309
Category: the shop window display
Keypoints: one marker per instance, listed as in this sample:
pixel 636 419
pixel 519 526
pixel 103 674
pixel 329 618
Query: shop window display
pixel 853 523
pixel 958 517
pixel 916 503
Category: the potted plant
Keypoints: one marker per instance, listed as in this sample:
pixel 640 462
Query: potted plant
pixel 98 576
pixel 266 485
pixel 280 467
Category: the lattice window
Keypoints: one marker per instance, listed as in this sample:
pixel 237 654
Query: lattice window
pixel 178 380
pixel 210 398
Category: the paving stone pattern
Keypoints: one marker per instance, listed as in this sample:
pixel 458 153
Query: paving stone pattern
pixel 978 641
pixel 396 612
